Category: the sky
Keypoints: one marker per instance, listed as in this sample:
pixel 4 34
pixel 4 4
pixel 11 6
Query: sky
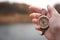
pixel 37 3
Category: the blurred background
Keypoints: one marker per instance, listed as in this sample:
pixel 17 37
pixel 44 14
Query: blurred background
pixel 15 23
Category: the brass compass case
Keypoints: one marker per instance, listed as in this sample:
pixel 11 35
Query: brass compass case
pixel 43 20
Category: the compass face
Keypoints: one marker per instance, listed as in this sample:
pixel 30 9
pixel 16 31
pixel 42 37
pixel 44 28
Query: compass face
pixel 43 22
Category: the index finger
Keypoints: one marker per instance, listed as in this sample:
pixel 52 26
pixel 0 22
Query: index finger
pixel 35 9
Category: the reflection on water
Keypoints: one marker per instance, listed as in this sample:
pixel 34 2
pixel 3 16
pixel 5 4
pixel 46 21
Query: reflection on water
pixel 19 32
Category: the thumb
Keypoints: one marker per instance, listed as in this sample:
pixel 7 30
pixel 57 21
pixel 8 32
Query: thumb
pixel 52 11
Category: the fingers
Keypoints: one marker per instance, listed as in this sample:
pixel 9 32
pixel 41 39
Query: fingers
pixel 35 21
pixel 35 9
pixel 48 15
pixel 38 28
pixel 52 11
pixel 35 15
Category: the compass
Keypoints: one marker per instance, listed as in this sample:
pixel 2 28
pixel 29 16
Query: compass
pixel 43 20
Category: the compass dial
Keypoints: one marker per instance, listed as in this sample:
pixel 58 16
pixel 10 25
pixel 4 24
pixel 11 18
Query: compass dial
pixel 43 21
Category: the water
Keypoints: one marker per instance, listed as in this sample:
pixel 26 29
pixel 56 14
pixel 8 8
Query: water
pixel 20 32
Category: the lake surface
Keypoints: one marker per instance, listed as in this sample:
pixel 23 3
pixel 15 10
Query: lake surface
pixel 20 32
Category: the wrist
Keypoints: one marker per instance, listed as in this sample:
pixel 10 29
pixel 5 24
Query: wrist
pixel 49 35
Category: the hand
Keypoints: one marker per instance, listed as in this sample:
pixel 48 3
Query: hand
pixel 53 33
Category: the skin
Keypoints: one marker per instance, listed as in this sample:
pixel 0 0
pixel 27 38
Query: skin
pixel 53 33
